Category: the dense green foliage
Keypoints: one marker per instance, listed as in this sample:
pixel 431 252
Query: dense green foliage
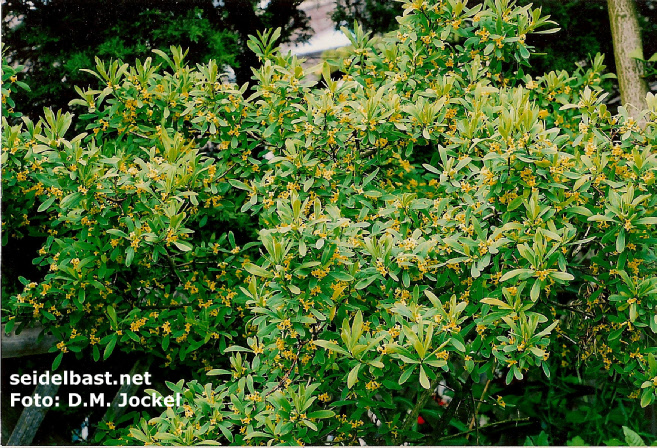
pixel 584 27
pixel 55 40
pixel 434 216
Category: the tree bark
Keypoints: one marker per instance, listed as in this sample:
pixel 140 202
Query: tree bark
pixel 626 36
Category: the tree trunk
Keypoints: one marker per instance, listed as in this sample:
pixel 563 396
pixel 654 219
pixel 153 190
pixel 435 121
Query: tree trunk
pixel 626 36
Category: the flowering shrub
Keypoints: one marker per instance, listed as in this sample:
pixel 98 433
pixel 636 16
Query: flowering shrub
pixel 434 216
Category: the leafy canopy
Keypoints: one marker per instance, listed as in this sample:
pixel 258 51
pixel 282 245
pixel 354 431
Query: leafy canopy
pixel 435 216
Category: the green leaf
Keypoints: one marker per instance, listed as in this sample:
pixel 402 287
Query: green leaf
pixel 436 362
pixel 599 218
pixel 562 276
pixel 137 434
pixel 537 351
pixel 458 344
pixel 129 255
pixel 496 302
pixel 536 290
pixel 406 374
pixel 10 326
pixel 342 276
pixel 57 361
pixel 331 346
pixel 237 348
pixel 620 241
pixel 576 441
pixel 644 221
pixel 117 232
pixel 353 376
pixel 258 271
pixel 579 210
pixel 241 185
pixel 183 245
pixel 110 347
pixel 364 283
pixel 647 397
pixel 46 204
pixel 514 204
pixel 111 312
pixel 324 413
pixel 632 438
pixel 132 335
pixel 431 169
pixel 165 436
pixel 424 380
pixel 523 273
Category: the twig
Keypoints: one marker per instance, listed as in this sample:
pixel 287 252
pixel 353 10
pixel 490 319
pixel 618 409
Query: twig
pixel 116 201
pixel 140 135
pixel 571 308
pixel 491 425
pixel 283 380
pixel 410 418
pixel 476 411
pixel 172 266
pixel 300 345
pixel 449 412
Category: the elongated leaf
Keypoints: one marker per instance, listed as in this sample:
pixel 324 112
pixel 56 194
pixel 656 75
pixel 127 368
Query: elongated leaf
pixel 523 273
pixel 620 241
pixel 364 283
pixel 183 246
pixel 332 346
pixel 57 361
pixel 353 376
pixel 406 374
pixel 111 312
pixel 496 302
pixel 46 204
pixel 324 413
pixel 110 347
pixel 647 221
pixel 117 232
pixel 632 438
pixel 579 210
pixel 257 270
pixel 562 276
pixel 424 380
pixel 536 290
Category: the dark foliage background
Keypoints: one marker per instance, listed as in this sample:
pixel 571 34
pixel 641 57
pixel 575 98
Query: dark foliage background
pixel 54 39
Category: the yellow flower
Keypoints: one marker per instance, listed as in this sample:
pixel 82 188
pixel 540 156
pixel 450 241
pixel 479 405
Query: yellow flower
pixel 394 331
pixel 372 385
